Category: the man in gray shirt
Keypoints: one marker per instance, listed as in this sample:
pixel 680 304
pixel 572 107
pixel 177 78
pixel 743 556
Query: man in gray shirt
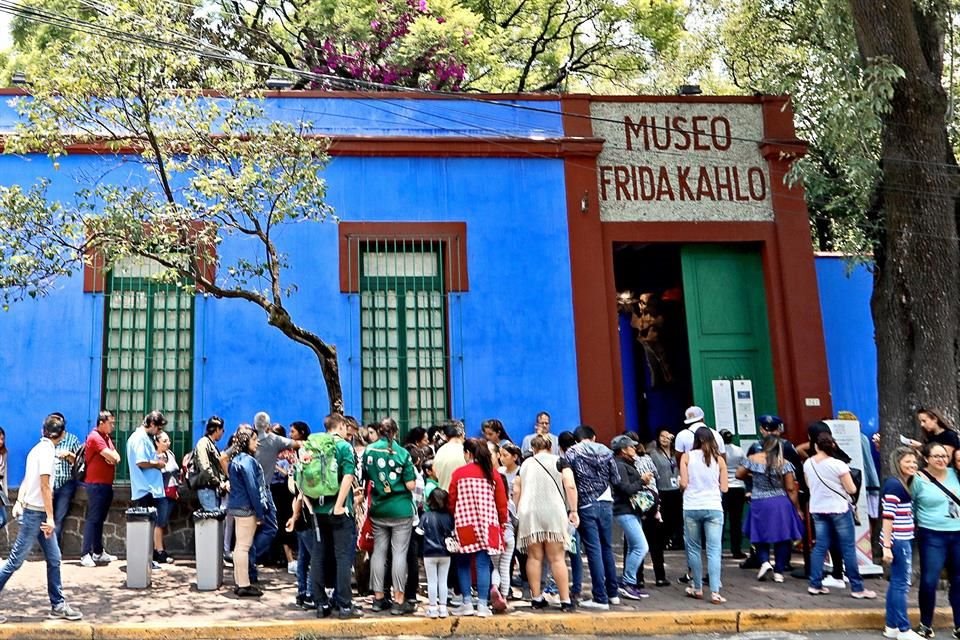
pixel 268 448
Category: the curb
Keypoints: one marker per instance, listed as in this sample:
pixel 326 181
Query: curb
pixel 517 625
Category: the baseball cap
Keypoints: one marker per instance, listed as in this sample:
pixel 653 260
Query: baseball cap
pixel 622 442
pixel 693 414
pixel 769 422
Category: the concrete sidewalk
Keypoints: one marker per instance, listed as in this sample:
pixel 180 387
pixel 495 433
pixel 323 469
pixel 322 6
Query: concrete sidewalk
pixel 174 609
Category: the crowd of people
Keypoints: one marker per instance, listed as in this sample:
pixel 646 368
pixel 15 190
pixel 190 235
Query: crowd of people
pixel 355 510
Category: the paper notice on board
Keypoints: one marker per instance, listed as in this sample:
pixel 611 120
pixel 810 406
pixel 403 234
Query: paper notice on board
pixel 743 406
pixel 723 405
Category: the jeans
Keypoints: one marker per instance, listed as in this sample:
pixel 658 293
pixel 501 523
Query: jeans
pixel 830 528
pixel 484 569
pixel 340 534
pixel 708 523
pixel 263 539
pixel 636 547
pixel 781 554
pixel 900 571
pixel 99 499
pixel 209 501
pixel 437 570
pixel 305 543
pixel 938 549
pixel 733 501
pixel 596 533
pixel 27 538
pixel 62 498
pixel 392 533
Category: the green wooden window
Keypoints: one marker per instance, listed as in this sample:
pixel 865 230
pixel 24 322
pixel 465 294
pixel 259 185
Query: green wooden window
pixel 403 332
pixel 148 354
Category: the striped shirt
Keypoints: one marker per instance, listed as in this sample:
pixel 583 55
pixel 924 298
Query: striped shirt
pixel 898 506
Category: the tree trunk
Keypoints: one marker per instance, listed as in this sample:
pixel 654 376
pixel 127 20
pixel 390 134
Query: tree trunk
pixel 917 279
pixel 326 354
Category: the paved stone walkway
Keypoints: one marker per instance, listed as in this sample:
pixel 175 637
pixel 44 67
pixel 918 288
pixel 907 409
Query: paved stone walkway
pixel 100 593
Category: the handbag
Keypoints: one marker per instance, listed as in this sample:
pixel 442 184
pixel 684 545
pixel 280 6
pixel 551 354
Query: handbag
pixel 451 543
pixel 643 501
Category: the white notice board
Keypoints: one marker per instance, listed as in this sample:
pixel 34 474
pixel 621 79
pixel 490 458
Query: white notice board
pixel 743 406
pixel 723 405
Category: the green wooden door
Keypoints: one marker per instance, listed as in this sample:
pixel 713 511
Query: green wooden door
pixel 727 329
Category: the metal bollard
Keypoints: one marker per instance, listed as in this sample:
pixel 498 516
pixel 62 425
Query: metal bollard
pixel 208 543
pixel 140 525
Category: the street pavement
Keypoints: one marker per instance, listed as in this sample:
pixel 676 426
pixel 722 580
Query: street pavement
pixel 173 600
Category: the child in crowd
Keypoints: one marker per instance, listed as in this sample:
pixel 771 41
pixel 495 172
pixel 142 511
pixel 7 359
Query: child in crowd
pixel 436 526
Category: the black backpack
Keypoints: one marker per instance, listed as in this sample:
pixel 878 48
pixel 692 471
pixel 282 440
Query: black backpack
pixel 78 471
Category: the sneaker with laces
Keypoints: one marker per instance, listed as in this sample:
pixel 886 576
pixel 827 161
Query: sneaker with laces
pixel 593 604
pixel 866 594
pixel 890 632
pixel 104 557
pixel 614 600
pixel 156 566
pixel 433 612
pixel 65 612
pixel 483 610
pixel 88 561
pixel 924 631
pixel 465 609
pixel 539 603
pixel 633 592
pixel 778 577
pixel 442 610
pixel 568 607
pixel 834 583
pixel 292 567
pixel 910 634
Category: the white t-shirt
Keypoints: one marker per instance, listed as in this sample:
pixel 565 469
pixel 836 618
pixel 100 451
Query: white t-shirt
pixel 703 484
pixel 827 494
pixel 684 440
pixel 41 461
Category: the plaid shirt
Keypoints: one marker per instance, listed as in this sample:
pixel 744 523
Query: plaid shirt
pixel 63 471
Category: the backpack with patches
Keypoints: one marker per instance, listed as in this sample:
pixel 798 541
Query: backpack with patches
pixel 317 474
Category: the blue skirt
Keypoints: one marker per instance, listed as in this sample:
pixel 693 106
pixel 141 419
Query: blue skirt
pixel 773 520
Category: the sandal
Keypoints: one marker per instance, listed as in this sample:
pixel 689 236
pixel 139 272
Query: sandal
pixel 693 593
pixel 716 598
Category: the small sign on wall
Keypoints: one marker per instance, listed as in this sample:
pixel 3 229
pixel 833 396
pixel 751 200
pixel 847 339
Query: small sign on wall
pixel 743 406
pixel 723 405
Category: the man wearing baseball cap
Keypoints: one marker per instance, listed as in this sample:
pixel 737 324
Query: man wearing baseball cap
pixel 35 509
pixel 693 418
pixel 771 425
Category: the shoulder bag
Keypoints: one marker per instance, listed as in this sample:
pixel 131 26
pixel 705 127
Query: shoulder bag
pixel 954 507
pixel 850 503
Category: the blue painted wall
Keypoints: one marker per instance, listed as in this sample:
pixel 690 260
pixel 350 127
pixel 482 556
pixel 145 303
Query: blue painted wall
pixel 511 335
pixel 845 290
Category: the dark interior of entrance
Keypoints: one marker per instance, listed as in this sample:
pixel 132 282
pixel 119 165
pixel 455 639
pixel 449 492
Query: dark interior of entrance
pixel 654 353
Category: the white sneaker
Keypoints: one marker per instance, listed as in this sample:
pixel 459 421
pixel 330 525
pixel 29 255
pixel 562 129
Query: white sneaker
pixel 832 583
pixel 891 633
pixel 614 599
pixel 65 612
pixel 465 609
pixel 592 604
pixel 909 634
pixel 104 557
pixel 87 561
pixel 292 567
pixel 483 611
pixel 778 577
pixel 433 612
pixel 443 611
pixel 765 568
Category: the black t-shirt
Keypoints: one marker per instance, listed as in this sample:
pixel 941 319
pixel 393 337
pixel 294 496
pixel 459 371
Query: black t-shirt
pixel 947 437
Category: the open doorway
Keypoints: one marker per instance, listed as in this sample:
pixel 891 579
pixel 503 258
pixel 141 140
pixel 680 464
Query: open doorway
pixel 655 355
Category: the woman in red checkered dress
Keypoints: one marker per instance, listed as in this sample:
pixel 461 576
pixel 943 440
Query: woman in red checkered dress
pixel 478 502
